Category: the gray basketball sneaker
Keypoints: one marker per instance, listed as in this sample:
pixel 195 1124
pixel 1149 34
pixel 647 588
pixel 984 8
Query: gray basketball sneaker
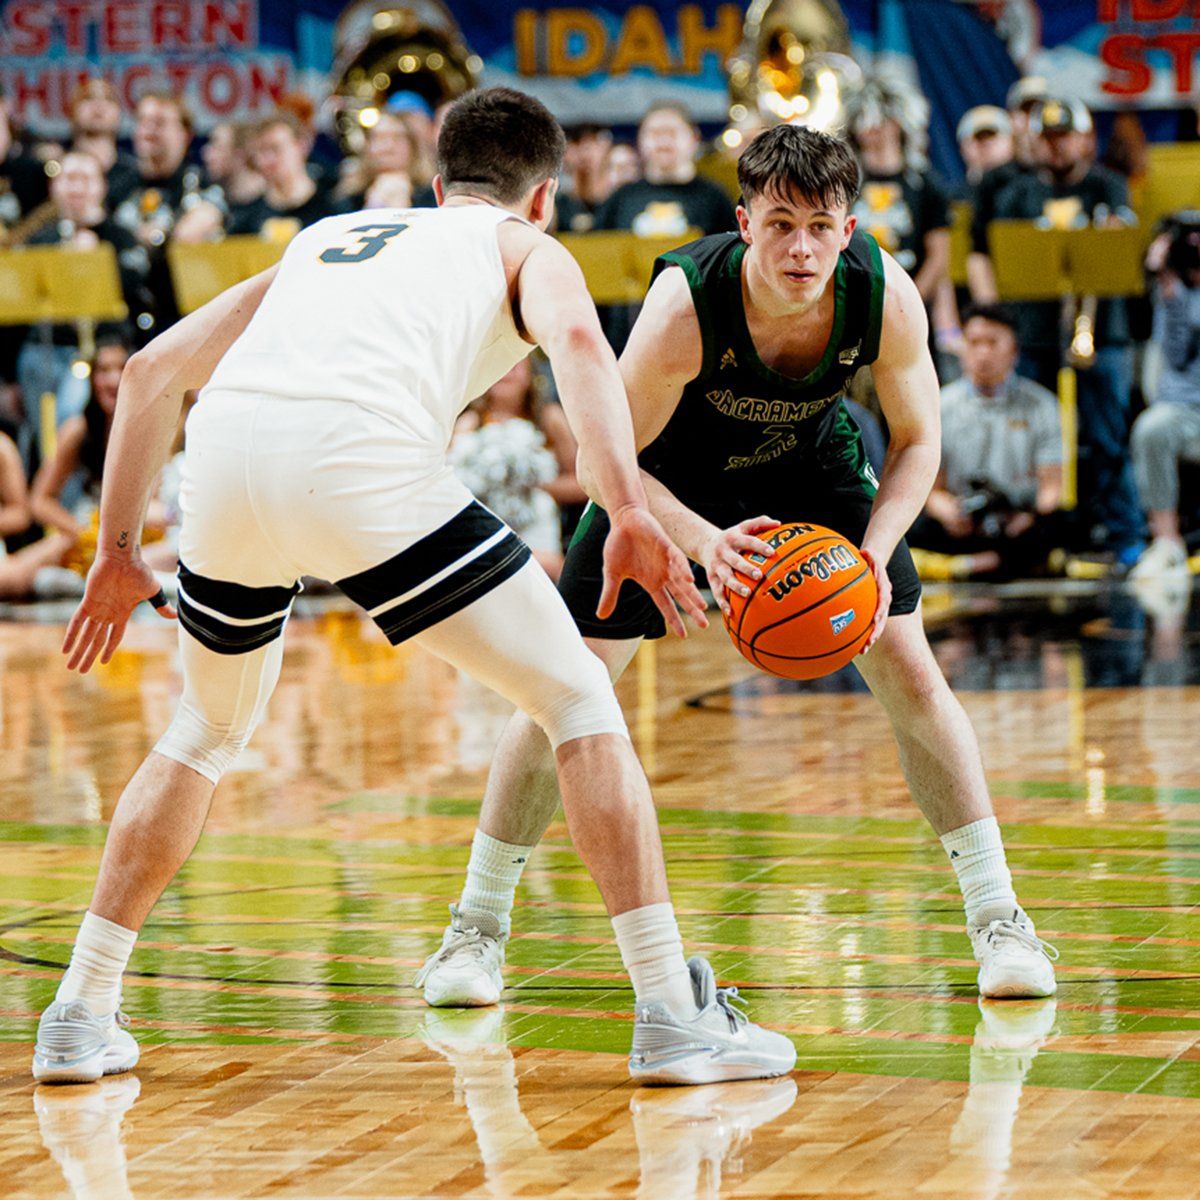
pixel 719 1043
pixel 76 1046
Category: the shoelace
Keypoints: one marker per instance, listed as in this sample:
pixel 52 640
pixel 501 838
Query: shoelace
pixel 726 999
pixel 1011 931
pixel 470 940
pixel 121 1019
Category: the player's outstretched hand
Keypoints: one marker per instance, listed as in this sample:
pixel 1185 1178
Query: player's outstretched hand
pixel 724 561
pixel 884 584
pixel 115 587
pixel 638 548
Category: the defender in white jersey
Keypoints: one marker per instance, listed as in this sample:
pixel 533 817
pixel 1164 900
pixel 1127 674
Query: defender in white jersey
pixel 330 387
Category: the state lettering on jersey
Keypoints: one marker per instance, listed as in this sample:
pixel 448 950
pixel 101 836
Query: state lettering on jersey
pixel 780 439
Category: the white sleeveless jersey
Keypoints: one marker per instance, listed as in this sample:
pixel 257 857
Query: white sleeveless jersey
pixel 404 312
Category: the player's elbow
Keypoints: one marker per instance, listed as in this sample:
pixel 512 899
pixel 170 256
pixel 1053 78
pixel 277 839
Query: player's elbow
pixel 580 340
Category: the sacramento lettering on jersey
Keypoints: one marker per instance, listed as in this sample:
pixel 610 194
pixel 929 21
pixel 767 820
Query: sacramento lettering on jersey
pixel 747 408
pixel 821 565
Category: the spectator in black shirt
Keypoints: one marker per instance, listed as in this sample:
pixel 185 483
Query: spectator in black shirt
pixel 1068 189
pixel 47 360
pixel 670 198
pixel 171 200
pixel 292 199
pixel 95 123
pixel 225 156
pixel 586 184
pixel 24 183
pixel 668 201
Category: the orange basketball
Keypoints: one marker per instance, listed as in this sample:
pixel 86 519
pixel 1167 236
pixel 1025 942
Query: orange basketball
pixel 812 610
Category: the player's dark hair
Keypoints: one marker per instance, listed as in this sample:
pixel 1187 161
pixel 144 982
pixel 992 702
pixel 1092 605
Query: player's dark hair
pixel 500 142
pixel 802 165
pixel 998 314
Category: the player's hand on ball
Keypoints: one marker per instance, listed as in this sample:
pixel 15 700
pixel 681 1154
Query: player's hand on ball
pixel 884 584
pixel 115 587
pixel 724 558
pixel 638 548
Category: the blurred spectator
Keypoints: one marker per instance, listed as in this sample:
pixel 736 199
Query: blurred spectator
pixel 1169 430
pixel 226 159
pixel 392 189
pixel 517 455
pixel 670 198
pixel 985 141
pixel 1067 190
pixel 95 124
pixel 77 218
pixel 995 503
pixel 23 180
pixel 622 166
pixel 902 204
pixel 668 201
pixel 391 147
pixel 171 200
pixel 585 185
pixel 1023 98
pixel 292 199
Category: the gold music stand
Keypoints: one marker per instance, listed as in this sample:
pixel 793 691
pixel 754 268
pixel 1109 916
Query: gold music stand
pixel 203 270
pixel 617 264
pixel 60 285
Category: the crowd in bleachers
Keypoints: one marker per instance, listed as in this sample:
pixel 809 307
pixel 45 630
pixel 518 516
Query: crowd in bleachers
pixel 997 510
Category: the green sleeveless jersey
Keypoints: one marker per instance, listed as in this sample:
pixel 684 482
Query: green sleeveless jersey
pixel 742 428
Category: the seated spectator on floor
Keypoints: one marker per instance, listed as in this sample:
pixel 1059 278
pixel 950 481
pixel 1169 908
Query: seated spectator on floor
pixel 517 455
pixel 228 164
pixel 1168 432
pixel 76 218
pixel 995 504
pixel 95 124
pixel 292 199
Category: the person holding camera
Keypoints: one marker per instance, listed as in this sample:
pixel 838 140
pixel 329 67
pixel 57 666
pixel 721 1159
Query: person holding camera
pixel 1169 430
pixel 995 506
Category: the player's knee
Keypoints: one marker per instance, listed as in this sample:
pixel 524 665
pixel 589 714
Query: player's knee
pixel 208 747
pixel 581 705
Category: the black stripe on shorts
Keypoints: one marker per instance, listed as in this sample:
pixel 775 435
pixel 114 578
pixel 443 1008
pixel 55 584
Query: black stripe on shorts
pixel 443 550
pixel 241 618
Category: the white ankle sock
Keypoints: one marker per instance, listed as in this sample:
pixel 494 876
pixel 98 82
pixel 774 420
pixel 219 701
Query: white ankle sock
pixel 101 952
pixel 492 876
pixel 652 952
pixel 977 856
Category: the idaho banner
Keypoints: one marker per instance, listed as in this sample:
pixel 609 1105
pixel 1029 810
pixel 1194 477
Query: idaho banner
pixel 597 62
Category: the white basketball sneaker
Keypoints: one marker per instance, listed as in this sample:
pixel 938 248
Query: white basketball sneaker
pixel 1014 963
pixel 76 1046
pixel 719 1043
pixel 465 971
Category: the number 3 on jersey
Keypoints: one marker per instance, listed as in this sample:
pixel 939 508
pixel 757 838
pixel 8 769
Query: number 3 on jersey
pixel 374 238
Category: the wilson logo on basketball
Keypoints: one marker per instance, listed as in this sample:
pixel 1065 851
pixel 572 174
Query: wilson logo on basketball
pixel 820 566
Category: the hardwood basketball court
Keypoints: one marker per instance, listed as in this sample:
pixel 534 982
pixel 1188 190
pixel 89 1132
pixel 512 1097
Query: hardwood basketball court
pixel 285 1052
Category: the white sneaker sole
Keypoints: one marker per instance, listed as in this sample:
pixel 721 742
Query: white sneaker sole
pixel 694 1070
pixel 1018 989
pixel 110 1060
pixel 483 996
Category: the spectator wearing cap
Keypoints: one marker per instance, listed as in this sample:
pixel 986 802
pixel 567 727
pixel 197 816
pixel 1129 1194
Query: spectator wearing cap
pixel 292 199
pixel 985 141
pixel 1067 188
pixel 95 124
pixel 996 500
pixel 668 200
pixel 585 184
pixel 226 159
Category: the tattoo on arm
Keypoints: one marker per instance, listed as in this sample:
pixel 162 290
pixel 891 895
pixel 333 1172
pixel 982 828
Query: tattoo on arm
pixel 123 540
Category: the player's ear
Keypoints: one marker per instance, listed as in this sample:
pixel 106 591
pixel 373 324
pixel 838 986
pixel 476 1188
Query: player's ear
pixel 541 203
pixel 439 193
pixel 848 229
pixel 743 220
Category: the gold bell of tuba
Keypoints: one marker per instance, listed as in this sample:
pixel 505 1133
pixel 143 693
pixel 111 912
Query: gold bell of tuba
pixel 381 48
pixel 793 65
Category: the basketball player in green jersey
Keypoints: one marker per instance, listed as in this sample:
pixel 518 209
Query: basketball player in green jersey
pixel 735 372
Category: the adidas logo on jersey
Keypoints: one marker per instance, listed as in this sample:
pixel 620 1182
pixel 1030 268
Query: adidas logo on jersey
pixel 728 360
pixel 849 357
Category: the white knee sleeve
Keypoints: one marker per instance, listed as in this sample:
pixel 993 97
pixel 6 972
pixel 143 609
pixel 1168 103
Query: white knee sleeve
pixel 520 640
pixel 224 698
